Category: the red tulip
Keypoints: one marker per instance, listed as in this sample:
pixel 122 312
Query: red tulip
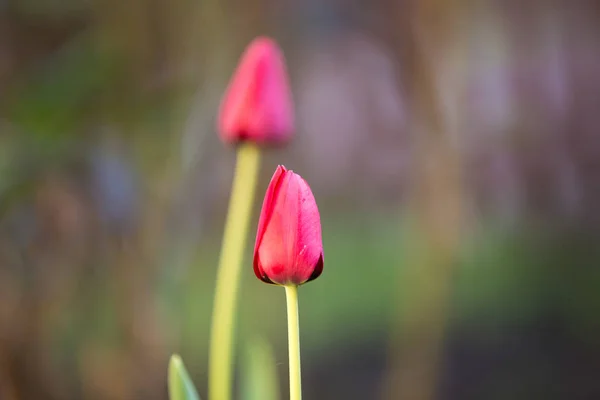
pixel 257 105
pixel 288 248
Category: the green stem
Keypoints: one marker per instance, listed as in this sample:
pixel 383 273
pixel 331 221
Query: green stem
pixel 291 294
pixel 232 250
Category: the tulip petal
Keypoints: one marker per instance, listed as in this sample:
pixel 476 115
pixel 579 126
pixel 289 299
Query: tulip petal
pixel 265 215
pixel 275 117
pixel 309 235
pixel 278 246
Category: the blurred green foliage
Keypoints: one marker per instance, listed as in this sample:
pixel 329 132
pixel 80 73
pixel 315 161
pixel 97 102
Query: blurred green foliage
pixel 181 386
pixel 259 377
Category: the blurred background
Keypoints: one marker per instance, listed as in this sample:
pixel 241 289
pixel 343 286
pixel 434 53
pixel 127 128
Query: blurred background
pixel 453 147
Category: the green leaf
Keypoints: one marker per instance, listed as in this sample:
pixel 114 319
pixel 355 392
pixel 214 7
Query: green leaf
pixel 180 384
pixel 259 379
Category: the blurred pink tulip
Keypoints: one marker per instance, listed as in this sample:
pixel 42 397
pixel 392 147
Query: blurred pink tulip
pixel 257 105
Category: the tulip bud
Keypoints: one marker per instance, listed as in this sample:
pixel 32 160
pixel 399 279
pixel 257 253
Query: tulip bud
pixel 288 248
pixel 257 105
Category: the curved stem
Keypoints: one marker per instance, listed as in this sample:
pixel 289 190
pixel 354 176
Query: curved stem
pixel 291 294
pixel 234 240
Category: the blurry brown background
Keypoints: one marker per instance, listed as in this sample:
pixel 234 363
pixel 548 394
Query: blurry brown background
pixel 453 147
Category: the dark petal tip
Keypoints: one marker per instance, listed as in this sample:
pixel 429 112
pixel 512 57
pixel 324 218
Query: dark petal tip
pixel 318 269
pixel 258 271
pixel 266 279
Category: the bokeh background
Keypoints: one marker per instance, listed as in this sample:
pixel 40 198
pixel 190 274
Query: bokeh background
pixel 453 147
